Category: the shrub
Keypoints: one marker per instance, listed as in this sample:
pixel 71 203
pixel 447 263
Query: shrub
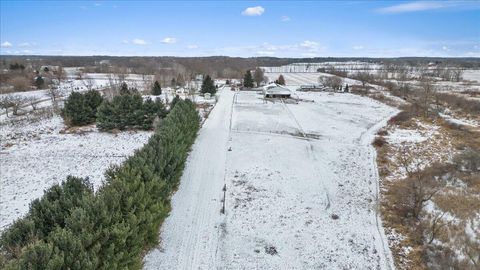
pixel 401 117
pixel 81 108
pixel 379 141
pixel 70 227
pixel 129 111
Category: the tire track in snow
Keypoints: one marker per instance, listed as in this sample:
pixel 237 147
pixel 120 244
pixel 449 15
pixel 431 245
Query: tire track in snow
pixel 190 235
pixel 364 139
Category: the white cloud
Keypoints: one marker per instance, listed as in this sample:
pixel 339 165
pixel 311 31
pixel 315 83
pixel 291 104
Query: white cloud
pixel 6 44
pixel 169 40
pixel 412 7
pixel 125 41
pixel 192 46
pixel 138 41
pixel 24 44
pixel 429 5
pixel 26 51
pixel 309 45
pixel 309 55
pixel 253 11
pixel 268 53
pixel 285 18
pixel 358 47
pixel 445 48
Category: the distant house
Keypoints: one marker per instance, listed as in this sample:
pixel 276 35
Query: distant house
pixel 276 91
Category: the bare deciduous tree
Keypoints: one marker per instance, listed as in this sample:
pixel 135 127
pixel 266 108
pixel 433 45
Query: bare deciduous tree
pixel 33 102
pixel 13 101
pixel 54 93
pixel 427 94
pixel 434 225
pixel 457 75
pixel 363 77
pixel 258 76
pixel 88 82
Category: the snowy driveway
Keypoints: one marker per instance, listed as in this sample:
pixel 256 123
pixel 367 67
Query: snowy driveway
pixel 301 188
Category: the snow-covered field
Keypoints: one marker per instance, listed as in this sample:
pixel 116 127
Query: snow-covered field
pixel 296 79
pixel 35 156
pixel 300 183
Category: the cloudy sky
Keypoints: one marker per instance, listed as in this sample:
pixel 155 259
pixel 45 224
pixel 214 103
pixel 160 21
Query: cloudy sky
pixel 241 28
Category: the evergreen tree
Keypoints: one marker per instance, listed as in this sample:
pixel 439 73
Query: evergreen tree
pixel 281 80
pixel 129 111
pixel 248 79
pixel 174 102
pixel 81 108
pixel 208 86
pixel 71 227
pixel 39 82
pixel 124 89
pixel 157 89
pixel 75 111
pixel 173 83
pixel 346 88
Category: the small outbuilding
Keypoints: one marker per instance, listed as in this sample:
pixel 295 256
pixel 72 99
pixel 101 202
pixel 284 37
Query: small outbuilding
pixel 276 91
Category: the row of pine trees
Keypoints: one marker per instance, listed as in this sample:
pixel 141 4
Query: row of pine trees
pixel 73 227
pixel 127 110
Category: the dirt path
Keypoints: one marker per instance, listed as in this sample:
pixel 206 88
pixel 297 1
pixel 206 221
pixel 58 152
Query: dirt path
pixel 190 235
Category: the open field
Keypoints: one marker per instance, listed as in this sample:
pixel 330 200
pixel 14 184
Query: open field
pixel 35 156
pixel 301 188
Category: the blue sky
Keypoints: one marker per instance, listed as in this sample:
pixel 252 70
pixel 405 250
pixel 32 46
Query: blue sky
pixel 241 28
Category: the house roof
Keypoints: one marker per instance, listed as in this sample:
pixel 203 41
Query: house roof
pixel 277 90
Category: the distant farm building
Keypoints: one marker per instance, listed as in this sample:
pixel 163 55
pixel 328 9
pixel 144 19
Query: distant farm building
pixel 276 91
pixel 312 87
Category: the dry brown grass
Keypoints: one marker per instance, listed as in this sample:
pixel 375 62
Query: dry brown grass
pixel 462 201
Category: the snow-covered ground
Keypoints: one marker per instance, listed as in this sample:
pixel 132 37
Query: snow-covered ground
pixel 301 188
pixel 35 156
pixel 296 79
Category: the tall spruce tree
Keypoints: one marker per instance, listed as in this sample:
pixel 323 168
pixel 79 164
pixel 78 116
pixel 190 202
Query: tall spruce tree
pixel 157 89
pixel 248 79
pixel 124 89
pixel 281 80
pixel 208 86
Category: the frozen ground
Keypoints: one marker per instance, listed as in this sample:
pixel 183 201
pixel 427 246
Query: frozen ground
pixel 301 188
pixel 35 156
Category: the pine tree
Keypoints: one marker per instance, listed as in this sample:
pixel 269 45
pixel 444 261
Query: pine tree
pixel 39 82
pixel 157 89
pixel 346 88
pixel 93 99
pixel 208 86
pixel 174 102
pixel 124 89
pixel 248 79
pixel 281 80
pixel 81 108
